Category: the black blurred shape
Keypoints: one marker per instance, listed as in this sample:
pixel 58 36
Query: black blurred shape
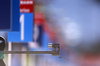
pixel 2 63
pixel 2 47
pixel 2 44
pixel 97 1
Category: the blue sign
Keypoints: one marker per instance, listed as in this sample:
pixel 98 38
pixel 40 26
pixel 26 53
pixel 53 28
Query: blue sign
pixel 15 15
pixel 5 10
pixel 26 29
pixel 9 15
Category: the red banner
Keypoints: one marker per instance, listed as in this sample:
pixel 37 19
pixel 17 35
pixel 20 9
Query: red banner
pixel 26 6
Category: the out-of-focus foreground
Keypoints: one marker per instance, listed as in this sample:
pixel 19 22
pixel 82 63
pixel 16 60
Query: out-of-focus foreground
pixel 74 24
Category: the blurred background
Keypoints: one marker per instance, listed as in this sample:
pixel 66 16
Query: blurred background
pixel 74 24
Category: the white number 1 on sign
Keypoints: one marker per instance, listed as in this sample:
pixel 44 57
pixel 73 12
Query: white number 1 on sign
pixel 22 26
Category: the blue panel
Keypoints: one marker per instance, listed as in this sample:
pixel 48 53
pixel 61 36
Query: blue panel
pixel 45 41
pixel 5 9
pixel 9 15
pixel 15 15
pixel 28 30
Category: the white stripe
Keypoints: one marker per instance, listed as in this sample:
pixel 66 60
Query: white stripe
pixel 26 2
pixel 24 10
pixel 9 55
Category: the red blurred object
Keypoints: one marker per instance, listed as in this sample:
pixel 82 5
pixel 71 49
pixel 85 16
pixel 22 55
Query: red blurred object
pixel 39 18
pixel 26 6
pixel 50 31
pixel 41 21
pixel 89 60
